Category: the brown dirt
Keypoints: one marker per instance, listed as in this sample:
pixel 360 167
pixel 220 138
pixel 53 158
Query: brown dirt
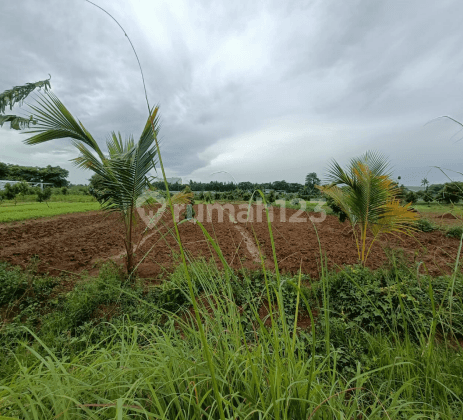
pixel 443 220
pixel 80 241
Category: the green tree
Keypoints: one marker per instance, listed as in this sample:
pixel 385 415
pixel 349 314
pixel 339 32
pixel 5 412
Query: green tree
pixel 124 170
pixel 369 199
pixel 10 191
pixel 271 197
pixel 44 195
pixel 4 170
pixel 425 183
pixel 311 182
pixel 16 95
pixel 96 187
pixel 411 197
pixel 54 175
pixel 452 192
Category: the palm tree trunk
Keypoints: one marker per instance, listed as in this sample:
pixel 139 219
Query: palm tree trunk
pixel 128 241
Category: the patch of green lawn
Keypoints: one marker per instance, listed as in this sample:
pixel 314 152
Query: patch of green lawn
pixel 23 211
pixel 456 209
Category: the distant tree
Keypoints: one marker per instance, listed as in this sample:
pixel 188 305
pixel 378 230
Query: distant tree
pixel 271 197
pixel 54 175
pixel 44 195
pixel 16 95
pixel 4 170
pixel 452 192
pixel 280 185
pixel 427 197
pixel 411 197
pixel 306 193
pixel 246 186
pixel 425 183
pixel 10 191
pixel 208 197
pixel 311 180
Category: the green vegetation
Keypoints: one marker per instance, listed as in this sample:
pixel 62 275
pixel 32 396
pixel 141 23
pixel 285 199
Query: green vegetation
pixel 14 96
pixel 124 171
pixel 54 175
pixel 219 344
pixel 10 213
pixel 369 199
pixel 381 346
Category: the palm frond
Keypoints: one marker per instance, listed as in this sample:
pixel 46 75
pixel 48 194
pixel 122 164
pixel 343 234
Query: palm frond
pixel 126 171
pixel 17 94
pixel 54 121
pixel 17 123
pixel 87 160
pixel 369 197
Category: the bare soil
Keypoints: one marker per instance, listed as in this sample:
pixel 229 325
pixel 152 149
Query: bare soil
pixel 82 241
pixel 443 219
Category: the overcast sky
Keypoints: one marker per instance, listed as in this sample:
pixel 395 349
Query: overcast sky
pixel 262 90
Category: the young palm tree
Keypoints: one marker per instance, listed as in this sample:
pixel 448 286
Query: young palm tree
pixel 124 171
pixel 369 198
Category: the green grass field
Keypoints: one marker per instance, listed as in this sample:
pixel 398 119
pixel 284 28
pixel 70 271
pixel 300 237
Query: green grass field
pixel 22 211
pixel 58 198
pixel 456 209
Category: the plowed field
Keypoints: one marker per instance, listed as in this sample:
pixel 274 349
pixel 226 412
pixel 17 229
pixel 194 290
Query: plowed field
pixel 82 241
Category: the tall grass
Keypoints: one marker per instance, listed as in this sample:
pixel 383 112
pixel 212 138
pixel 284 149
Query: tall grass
pixel 155 367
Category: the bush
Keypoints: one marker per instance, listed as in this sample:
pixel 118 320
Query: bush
pixel 450 193
pixel 208 197
pixel 271 197
pixel 425 225
pixel 411 197
pixel 64 191
pixel 10 191
pixel 246 196
pixel 44 195
pixel 336 209
pixel 455 232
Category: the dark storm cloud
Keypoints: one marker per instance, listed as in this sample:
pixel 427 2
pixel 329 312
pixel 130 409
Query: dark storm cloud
pixel 331 78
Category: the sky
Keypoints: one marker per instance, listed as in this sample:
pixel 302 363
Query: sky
pixel 248 91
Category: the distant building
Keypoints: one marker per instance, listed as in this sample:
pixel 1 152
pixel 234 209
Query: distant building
pixel 3 182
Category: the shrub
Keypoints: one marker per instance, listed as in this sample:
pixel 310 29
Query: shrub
pixel 64 191
pixel 10 191
pixel 455 232
pixel 208 197
pixel 246 196
pixel 411 197
pixel 425 225
pixel 44 195
pixel 450 193
pixel 336 209
pixel 191 201
pixel 271 197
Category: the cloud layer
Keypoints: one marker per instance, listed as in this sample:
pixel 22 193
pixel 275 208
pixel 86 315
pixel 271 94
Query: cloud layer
pixel 262 90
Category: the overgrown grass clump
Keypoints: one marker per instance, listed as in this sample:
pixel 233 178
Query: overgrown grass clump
pixel 366 344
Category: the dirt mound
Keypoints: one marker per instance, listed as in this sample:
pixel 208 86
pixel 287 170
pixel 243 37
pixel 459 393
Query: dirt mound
pixel 82 241
pixel 448 216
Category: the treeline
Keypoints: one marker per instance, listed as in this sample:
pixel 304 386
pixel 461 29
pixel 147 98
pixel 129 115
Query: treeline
pixel 54 175
pixel 450 192
pixel 288 187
